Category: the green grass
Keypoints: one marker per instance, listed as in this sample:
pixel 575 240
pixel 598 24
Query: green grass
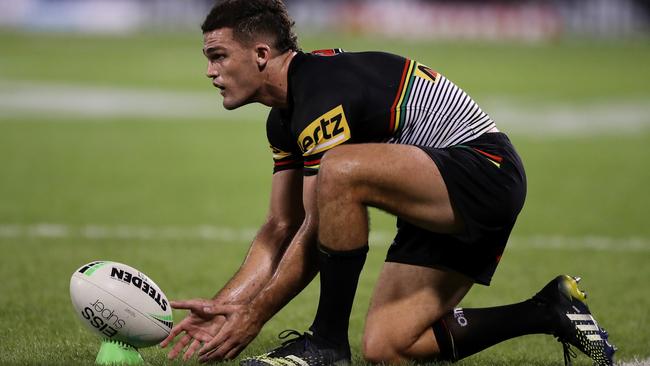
pixel 204 172
pixel 567 70
pixel 40 326
pixel 114 172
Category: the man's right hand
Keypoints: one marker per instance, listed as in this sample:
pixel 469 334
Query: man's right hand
pixel 198 327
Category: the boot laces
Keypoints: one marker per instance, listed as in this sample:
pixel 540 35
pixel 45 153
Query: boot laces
pixel 288 333
pixel 569 353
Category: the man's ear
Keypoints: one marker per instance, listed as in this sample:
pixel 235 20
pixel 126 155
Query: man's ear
pixel 263 55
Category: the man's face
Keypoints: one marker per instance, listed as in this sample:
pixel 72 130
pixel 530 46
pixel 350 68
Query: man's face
pixel 233 67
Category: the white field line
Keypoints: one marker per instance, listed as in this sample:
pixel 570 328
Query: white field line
pixel 24 98
pixel 635 362
pixel 20 99
pixel 238 235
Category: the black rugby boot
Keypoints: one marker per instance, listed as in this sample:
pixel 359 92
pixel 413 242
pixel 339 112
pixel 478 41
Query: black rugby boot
pixel 576 325
pixel 302 350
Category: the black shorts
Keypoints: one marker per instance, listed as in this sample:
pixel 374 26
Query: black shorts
pixel 486 182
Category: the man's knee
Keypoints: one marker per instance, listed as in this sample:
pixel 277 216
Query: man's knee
pixel 377 348
pixel 337 173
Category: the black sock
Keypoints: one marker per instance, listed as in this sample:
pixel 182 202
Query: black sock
pixel 464 332
pixel 339 274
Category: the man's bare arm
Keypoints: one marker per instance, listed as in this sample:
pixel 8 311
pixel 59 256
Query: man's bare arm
pixel 286 214
pixel 298 265
pixel 284 219
pixel 295 270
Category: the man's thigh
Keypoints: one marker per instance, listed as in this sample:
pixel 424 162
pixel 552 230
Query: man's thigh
pixel 400 179
pixel 407 301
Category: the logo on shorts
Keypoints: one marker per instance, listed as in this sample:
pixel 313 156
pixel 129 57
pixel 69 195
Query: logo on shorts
pixel 459 315
pixel 325 132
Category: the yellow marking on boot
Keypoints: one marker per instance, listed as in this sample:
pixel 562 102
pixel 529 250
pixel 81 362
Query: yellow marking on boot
pixel 570 287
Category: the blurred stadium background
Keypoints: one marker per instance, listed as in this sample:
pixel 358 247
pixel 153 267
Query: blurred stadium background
pixel 438 19
pixel 114 146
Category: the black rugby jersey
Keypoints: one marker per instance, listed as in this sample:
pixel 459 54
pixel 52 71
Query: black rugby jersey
pixel 340 97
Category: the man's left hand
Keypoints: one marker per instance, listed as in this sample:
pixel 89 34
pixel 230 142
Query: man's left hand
pixel 241 327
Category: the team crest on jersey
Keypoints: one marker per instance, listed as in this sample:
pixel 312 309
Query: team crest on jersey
pixel 426 73
pixel 325 132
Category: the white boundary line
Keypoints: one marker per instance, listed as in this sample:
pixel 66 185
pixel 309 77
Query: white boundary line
pixel 635 362
pixel 230 235
pixel 71 102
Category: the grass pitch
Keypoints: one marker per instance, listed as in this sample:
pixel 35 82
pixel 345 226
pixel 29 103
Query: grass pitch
pixel 586 212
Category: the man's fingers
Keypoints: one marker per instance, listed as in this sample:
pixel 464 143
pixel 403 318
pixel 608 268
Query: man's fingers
pixel 174 332
pixel 215 343
pixel 178 347
pixel 234 352
pixel 227 351
pixel 193 304
pixel 220 309
pixel 191 349
pixel 203 337
pixel 211 356
pixel 217 354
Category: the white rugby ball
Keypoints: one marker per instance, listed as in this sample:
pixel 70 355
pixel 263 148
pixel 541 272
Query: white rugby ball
pixel 118 302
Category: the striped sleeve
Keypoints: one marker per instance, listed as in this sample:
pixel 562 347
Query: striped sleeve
pixel 430 110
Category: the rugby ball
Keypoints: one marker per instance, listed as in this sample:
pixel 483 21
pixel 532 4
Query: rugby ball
pixel 117 302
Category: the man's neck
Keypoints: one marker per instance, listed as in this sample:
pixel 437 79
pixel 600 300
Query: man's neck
pixel 276 85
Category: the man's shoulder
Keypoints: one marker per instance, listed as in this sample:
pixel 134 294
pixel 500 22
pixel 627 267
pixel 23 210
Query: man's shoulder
pixel 326 78
pixel 330 66
pixel 337 59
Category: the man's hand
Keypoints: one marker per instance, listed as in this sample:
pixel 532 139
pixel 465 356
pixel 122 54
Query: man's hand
pixel 199 327
pixel 241 327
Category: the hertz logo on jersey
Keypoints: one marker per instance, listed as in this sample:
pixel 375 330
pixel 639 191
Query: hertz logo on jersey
pixel 325 132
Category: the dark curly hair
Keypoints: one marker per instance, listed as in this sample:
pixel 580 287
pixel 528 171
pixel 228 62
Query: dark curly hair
pixel 251 18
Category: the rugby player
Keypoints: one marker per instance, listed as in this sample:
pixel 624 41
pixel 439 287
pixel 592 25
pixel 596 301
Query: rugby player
pixel 353 130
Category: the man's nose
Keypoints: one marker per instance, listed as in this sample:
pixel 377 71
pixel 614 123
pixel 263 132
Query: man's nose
pixel 211 72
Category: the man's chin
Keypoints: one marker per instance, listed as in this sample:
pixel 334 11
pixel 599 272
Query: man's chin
pixel 229 105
